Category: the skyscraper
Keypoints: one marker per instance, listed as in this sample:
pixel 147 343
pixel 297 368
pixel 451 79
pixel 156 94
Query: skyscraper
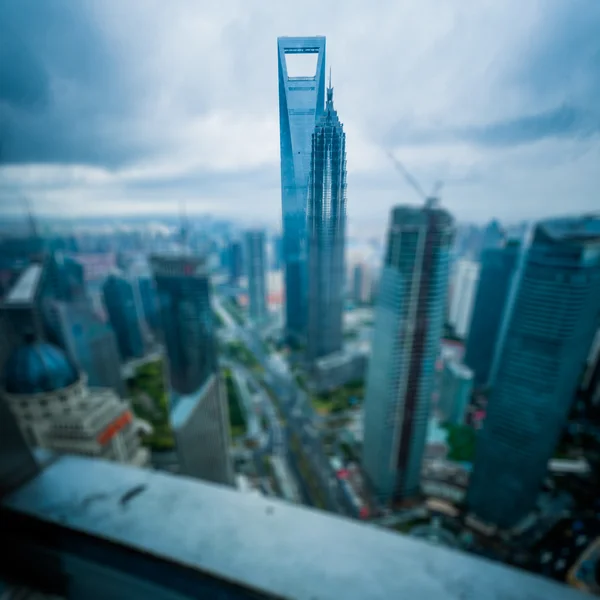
pixel 361 284
pixel 455 392
pixel 235 262
pixel 548 337
pixel 408 326
pixel 464 287
pixel 256 262
pixel 90 344
pixel 125 319
pixel 198 403
pixel 498 268
pixel 301 103
pixel 326 223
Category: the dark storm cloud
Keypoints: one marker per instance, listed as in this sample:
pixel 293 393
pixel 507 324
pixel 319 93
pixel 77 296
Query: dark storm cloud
pixel 62 96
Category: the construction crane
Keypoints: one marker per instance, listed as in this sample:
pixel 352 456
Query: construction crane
pixel 427 198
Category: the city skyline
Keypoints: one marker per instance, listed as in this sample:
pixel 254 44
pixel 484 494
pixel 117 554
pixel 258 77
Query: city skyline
pixel 435 377
pixel 512 135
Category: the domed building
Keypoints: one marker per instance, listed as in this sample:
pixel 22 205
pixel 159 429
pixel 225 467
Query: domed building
pixel 56 410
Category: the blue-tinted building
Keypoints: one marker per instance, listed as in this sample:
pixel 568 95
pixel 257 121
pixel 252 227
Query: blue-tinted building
pixel 455 392
pixel 91 345
pixel 409 318
pixel 496 278
pixel 187 327
pixel 122 310
pixel 149 302
pixel 548 335
pixel 198 399
pixel 256 263
pixel 326 224
pixel 235 262
pixel 301 103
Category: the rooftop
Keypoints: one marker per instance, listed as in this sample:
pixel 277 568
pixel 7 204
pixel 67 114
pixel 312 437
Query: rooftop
pixel 25 288
pixel 254 543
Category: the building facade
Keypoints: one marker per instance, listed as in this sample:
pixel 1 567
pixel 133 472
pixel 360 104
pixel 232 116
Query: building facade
pixel 549 334
pixel 361 284
pixel 56 410
pixel 464 287
pixel 301 103
pixel 235 262
pixel 455 392
pixel 122 310
pixel 187 327
pixel 409 320
pixel 90 344
pixel 200 424
pixel 326 223
pixel 496 278
pixel 201 427
pixel 256 261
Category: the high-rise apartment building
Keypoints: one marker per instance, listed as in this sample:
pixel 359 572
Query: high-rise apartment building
pixel 409 320
pixel 464 287
pixel 496 278
pixel 549 333
pixel 198 402
pixel 256 267
pixel 122 309
pixel 326 224
pixel 301 103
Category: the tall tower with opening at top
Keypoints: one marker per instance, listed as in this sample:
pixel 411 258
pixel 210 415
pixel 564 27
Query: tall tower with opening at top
pixel 301 104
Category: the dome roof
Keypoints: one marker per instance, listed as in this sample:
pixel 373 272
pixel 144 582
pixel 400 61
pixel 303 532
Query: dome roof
pixel 38 367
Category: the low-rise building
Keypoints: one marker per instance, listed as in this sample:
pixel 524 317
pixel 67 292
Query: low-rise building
pixel 338 369
pixel 56 410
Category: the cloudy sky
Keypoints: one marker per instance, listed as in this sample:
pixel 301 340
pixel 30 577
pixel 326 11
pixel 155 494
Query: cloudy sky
pixel 115 107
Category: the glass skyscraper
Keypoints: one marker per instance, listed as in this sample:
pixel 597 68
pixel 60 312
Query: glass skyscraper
pixel 326 224
pixel 198 400
pixel 125 319
pixel 498 268
pixel 408 325
pixel 301 103
pixel 549 332
pixel 256 262
pixel 183 291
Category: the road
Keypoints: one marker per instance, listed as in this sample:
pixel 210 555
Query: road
pixel 300 421
pixel 299 416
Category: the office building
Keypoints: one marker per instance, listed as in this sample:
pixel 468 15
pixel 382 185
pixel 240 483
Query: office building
pixel 122 309
pixel 149 302
pixel 236 265
pixel 301 104
pixel 549 333
pixel 455 392
pixel 409 319
pixel 493 237
pixel 277 252
pixel 256 262
pixel 90 344
pixel 200 424
pixel 337 369
pixel 56 410
pixel 464 287
pixel 496 279
pixel 188 332
pixel 326 223
pixel 361 284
